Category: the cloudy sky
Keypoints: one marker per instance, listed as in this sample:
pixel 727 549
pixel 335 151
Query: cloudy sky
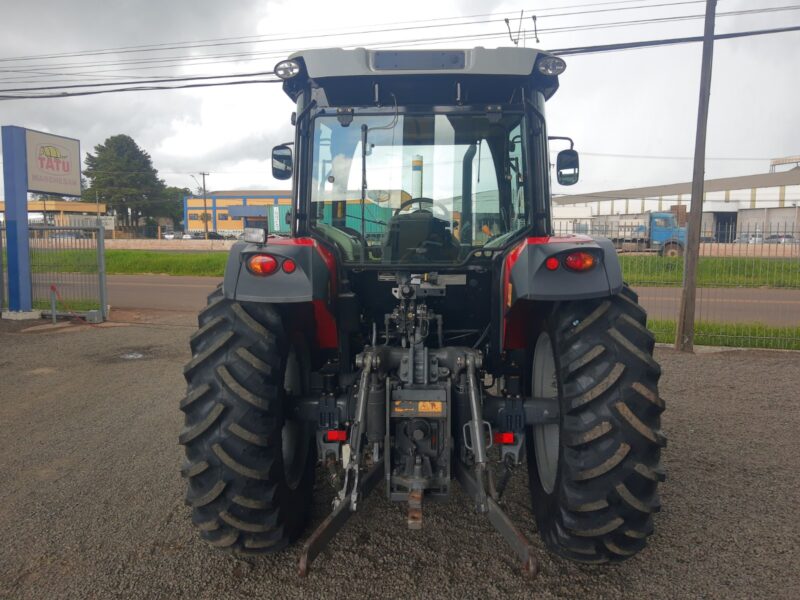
pixel 632 114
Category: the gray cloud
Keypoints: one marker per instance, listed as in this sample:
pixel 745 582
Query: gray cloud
pixel 634 103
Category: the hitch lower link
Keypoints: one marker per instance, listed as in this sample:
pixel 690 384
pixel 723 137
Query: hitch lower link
pixel 355 487
pixel 475 484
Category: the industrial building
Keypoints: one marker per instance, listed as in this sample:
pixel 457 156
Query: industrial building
pixel 766 202
pixel 64 213
pixel 229 211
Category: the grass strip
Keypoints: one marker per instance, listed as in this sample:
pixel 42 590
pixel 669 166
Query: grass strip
pixel 130 262
pixel 211 264
pixel 733 271
pixel 77 306
pixel 736 335
pixel 639 271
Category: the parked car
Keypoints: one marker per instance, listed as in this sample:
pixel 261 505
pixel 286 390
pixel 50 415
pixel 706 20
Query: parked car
pixel 187 236
pixel 200 235
pixel 781 238
pixel 69 235
pixel 169 235
pixel 753 238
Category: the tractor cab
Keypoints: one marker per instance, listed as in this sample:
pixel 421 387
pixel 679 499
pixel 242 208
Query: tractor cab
pixel 419 158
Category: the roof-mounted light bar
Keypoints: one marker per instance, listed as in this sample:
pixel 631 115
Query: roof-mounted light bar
pixel 550 65
pixel 286 69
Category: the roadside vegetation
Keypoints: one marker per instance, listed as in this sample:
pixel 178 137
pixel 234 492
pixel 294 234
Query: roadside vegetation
pixel 131 262
pixel 739 335
pixel 713 271
pixel 67 306
pixel 639 271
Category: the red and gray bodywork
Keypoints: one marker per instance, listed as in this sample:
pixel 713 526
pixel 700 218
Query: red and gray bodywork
pixel 386 379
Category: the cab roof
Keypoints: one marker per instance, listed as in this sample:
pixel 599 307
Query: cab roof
pixel 336 62
pixel 488 75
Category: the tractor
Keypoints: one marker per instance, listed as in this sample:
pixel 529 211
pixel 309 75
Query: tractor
pixel 420 324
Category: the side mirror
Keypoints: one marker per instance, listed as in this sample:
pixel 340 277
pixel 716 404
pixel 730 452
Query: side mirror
pixel 282 162
pixel 567 167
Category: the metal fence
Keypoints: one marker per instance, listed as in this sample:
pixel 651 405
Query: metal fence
pixel 748 285
pixel 67 270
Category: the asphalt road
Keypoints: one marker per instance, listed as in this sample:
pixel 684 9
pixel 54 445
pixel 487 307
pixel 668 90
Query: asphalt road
pixel 91 500
pixel 775 307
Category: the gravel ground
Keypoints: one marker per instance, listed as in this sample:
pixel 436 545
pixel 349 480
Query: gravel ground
pixel 91 501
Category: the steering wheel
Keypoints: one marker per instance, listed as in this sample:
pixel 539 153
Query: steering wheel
pixel 406 203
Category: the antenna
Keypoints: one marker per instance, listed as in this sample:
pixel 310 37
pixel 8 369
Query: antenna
pixel 514 40
pixel 520 32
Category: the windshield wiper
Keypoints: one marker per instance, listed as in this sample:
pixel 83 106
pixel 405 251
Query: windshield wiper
pixel 364 130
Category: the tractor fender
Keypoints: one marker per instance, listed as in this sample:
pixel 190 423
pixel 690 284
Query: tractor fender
pixel 311 280
pixel 526 276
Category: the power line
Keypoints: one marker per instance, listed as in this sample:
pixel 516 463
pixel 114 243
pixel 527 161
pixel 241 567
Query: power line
pixel 138 89
pixel 165 80
pixel 654 157
pixel 667 42
pixel 240 56
pixel 562 52
pixel 321 33
pixel 294 38
pixel 170 61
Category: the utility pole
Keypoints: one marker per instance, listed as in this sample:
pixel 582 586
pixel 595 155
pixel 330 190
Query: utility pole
pixel 205 206
pixel 684 337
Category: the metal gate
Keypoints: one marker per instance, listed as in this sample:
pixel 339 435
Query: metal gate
pixel 68 275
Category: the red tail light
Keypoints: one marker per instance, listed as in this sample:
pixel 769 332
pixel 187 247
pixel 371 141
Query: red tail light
pixel 336 435
pixel 262 264
pixel 580 261
pixel 551 263
pixel 503 437
pixel 289 266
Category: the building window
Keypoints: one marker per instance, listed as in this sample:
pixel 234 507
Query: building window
pixel 222 217
pixel 194 217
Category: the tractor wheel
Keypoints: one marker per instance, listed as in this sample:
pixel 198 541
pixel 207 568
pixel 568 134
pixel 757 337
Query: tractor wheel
pixel 593 475
pixel 250 467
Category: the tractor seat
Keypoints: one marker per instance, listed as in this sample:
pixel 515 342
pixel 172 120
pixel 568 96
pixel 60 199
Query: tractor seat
pixel 418 237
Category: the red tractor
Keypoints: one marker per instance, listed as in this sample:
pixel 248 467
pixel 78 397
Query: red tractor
pixel 422 324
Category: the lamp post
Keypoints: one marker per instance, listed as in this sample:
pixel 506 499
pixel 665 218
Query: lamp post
pixel 205 203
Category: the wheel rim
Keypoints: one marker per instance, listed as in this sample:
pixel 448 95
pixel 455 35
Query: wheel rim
pixel 295 436
pixel 545 437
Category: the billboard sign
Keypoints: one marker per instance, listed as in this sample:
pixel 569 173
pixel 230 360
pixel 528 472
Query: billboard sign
pixel 54 164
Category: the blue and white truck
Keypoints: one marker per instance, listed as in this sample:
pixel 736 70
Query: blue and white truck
pixel 643 232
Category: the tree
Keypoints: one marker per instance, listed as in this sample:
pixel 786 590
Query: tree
pixel 123 176
pixel 171 205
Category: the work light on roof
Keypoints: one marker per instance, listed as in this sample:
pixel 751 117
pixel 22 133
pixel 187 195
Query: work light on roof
pixel 286 69
pixel 550 65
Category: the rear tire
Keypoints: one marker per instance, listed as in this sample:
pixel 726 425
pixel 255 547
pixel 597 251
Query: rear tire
pixel 593 476
pixel 250 468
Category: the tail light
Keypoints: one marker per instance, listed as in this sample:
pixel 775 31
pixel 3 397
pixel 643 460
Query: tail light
pixel 262 264
pixel 551 263
pixel 503 437
pixel 580 261
pixel 266 264
pixel 336 435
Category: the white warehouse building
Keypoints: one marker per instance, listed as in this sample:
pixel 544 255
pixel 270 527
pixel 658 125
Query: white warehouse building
pixel 767 202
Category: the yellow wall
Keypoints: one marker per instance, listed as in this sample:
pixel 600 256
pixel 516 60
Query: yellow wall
pixel 194 206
